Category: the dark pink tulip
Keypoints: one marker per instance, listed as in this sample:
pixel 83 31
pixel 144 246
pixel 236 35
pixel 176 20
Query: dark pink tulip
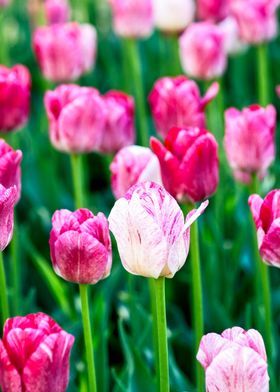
pixel 189 163
pixel 132 18
pixel 57 11
pixel 132 165
pixel 214 10
pixel 8 198
pixel 80 246
pixel 15 85
pixel 65 51
pixel 77 117
pixel 202 51
pixel 34 355
pixel 234 361
pixel 176 102
pixel 266 214
pixel 119 130
pixel 249 140
pixel 10 172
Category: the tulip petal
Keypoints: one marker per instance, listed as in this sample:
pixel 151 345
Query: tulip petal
pixel 10 380
pixel 269 247
pixel 210 345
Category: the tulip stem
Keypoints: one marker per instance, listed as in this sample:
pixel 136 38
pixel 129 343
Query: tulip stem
pixel 3 291
pixel 77 175
pixel 88 338
pixel 15 269
pixel 263 82
pixel 154 323
pixel 173 50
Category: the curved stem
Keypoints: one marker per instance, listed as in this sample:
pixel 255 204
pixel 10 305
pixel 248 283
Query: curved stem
pixel 263 82
pixel 77 175
pixel 3 289
pixel 88 338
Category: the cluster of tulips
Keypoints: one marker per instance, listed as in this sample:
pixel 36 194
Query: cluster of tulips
pixel 157 183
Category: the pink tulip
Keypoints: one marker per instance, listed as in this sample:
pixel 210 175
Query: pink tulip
pixel 133 165
pixel 173 16
pixel 249 140
pixel 10 172
pixel 202 51
pixel 8 198
pixel 232 40
pixel 214 10
pixel 257 19
pixel 153 239
pixel 176 102
pixel 4 3
pixel 57 11
pixel 80 246
pixel 189 163
pixel 77 117
pixel 266 214
pixel 132 18
pixel 119 130
pixel 34 355
pixel 234 361
pixel 65 51
pixel 15 85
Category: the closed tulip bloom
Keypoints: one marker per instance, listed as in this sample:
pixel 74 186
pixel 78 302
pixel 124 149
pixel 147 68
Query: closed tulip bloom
pixel 234 361
pixel 153 239
pixel 189 163
pixel 266 214
pixel 232 39
pixel 133 165
pixel 76 118
pixel 65 51
pixel 173 16
pixel 10 171
pixel 132 18
pixel 119 129
pixel 57 11
pixel 214 10
pixel 80 246
pixel 15 85
pixel 34 355
pixel 176 102
pixel 249 140
pixel 8 198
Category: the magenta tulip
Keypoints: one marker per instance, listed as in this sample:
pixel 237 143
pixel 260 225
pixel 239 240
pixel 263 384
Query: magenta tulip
pixel 214 10
pixel 8 198
pixel 57 11
pixel 10 172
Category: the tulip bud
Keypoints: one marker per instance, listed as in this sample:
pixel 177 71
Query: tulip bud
pixel 119 130
pixel 176 102
pixel 249 140
pixel 34 355
pixel 8 198
pixel 10 172
pixel 173 16
pixel 202 51
pixel 80 246
pixel 189 163
pixel 57 11
pixel 266 214
pixel 132 18
pixel 15 85
pixel 132 165
pixel 149 228
pixel 65 51
pixel 214 10
pixel 76 118
pixel 234 361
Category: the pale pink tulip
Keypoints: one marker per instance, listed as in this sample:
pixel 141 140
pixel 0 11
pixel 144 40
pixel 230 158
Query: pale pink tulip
pixel 173 16
pixel 10 171
pixel 57 11
pixel 8 198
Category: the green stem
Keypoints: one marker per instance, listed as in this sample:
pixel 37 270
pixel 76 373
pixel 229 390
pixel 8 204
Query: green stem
pixel 174 64
pixel 154 323
pixel 88 338
pixel 77 175
pixel 263 81
pixel 4 57
pixel 15 270
pixel 3 290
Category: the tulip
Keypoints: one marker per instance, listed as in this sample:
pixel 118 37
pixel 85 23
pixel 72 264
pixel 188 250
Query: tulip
pixel 173 16
pixel 202 51
pixel 34 355
pixel 249 140
pixel 57 11
pixel 133 165
pixel 76 118
pixel 214 10
pixel 119 130
pixel 8 198
pixel 65 51
pixel 232 39
pixel 234 361
pixel 10 172
pixel 4 3
pixel 177 102
pixel 189 163
pixel 132 18
pixel 15 85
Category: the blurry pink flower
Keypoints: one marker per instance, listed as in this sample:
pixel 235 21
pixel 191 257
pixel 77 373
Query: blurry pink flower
pixel 80 246
pixel 57 11
pixel 132 165
pixel 34 355
pixel 189 163
pixel 202 51
pixel 76 118
pixel 266 214
pixel 10 172
pixel 249 140
pixel 257 19
pixel 152 237
pixel 176 102
pixel 132 18
pixel 8 198
pixel 65 51
pixel 119 130
pixel 4 3
pixel 214 10
pixel 173 16
pixel 232 39
pixel 15 85
pixel 234 361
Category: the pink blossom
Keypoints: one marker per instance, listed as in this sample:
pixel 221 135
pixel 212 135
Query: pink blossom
pixel 10 172
pixel 214 10
pixel 57 11
pixel 173 16
pixel 8 198
pixel 4 3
